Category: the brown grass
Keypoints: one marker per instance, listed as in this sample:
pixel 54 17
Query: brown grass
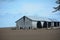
pixel 39 34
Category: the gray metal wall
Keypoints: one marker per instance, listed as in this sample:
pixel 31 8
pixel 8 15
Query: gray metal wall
pixel 24 24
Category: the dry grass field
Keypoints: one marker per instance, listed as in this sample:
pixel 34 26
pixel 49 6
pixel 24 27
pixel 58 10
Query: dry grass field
pixel 39 34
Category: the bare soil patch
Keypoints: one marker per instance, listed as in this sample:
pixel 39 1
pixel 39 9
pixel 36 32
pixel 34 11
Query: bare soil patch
pixel 39 34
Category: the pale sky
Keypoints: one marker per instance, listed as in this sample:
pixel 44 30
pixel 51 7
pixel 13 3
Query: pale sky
pixel 12 10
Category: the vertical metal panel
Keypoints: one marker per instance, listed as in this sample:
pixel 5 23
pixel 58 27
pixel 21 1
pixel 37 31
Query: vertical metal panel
pixel 28 23
pixel 52 24
pixel 34 24
pixel 42 24
pixel 20 23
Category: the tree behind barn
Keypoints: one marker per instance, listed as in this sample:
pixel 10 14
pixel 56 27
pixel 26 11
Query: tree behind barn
pixel 58 7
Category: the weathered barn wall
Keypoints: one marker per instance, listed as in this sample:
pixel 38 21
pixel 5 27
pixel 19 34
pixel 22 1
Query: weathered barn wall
pixel 24 23
pixel 20 23
pixel 52 24
pixel 34 24
pixel 28 23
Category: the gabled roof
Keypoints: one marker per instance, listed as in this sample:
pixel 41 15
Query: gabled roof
pixel 35 18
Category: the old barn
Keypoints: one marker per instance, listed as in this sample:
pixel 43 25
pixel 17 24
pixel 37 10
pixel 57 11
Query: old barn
pixel 27 22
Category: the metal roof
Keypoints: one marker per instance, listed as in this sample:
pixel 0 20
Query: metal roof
pixel 36 18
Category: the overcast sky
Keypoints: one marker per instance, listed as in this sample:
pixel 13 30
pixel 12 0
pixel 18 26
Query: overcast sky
pixel 12 10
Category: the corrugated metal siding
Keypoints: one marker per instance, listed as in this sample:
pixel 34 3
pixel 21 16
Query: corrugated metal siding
pixel 34 24
pixel 20 23
pixel 28 23
pixel 25 24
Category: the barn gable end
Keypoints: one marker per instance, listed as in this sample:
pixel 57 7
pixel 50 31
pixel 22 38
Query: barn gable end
pixel 24 22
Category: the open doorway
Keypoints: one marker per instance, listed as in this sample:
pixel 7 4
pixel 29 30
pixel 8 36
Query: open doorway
pixel 45 25
pixel 58 23
pixel 55 24
pixel 49 24
pixel 39 24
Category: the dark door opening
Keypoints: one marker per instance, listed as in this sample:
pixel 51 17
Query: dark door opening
pixel 55 24
pixel 49 24
pixel 45 25
pixel 58 23
pixel 39 24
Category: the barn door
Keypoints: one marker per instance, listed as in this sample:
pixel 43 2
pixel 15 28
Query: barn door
pixel 49 24
pixel 39 24
pixel 45 25
pixel 55 24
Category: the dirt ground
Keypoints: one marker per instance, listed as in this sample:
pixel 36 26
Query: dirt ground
pixel 39 34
